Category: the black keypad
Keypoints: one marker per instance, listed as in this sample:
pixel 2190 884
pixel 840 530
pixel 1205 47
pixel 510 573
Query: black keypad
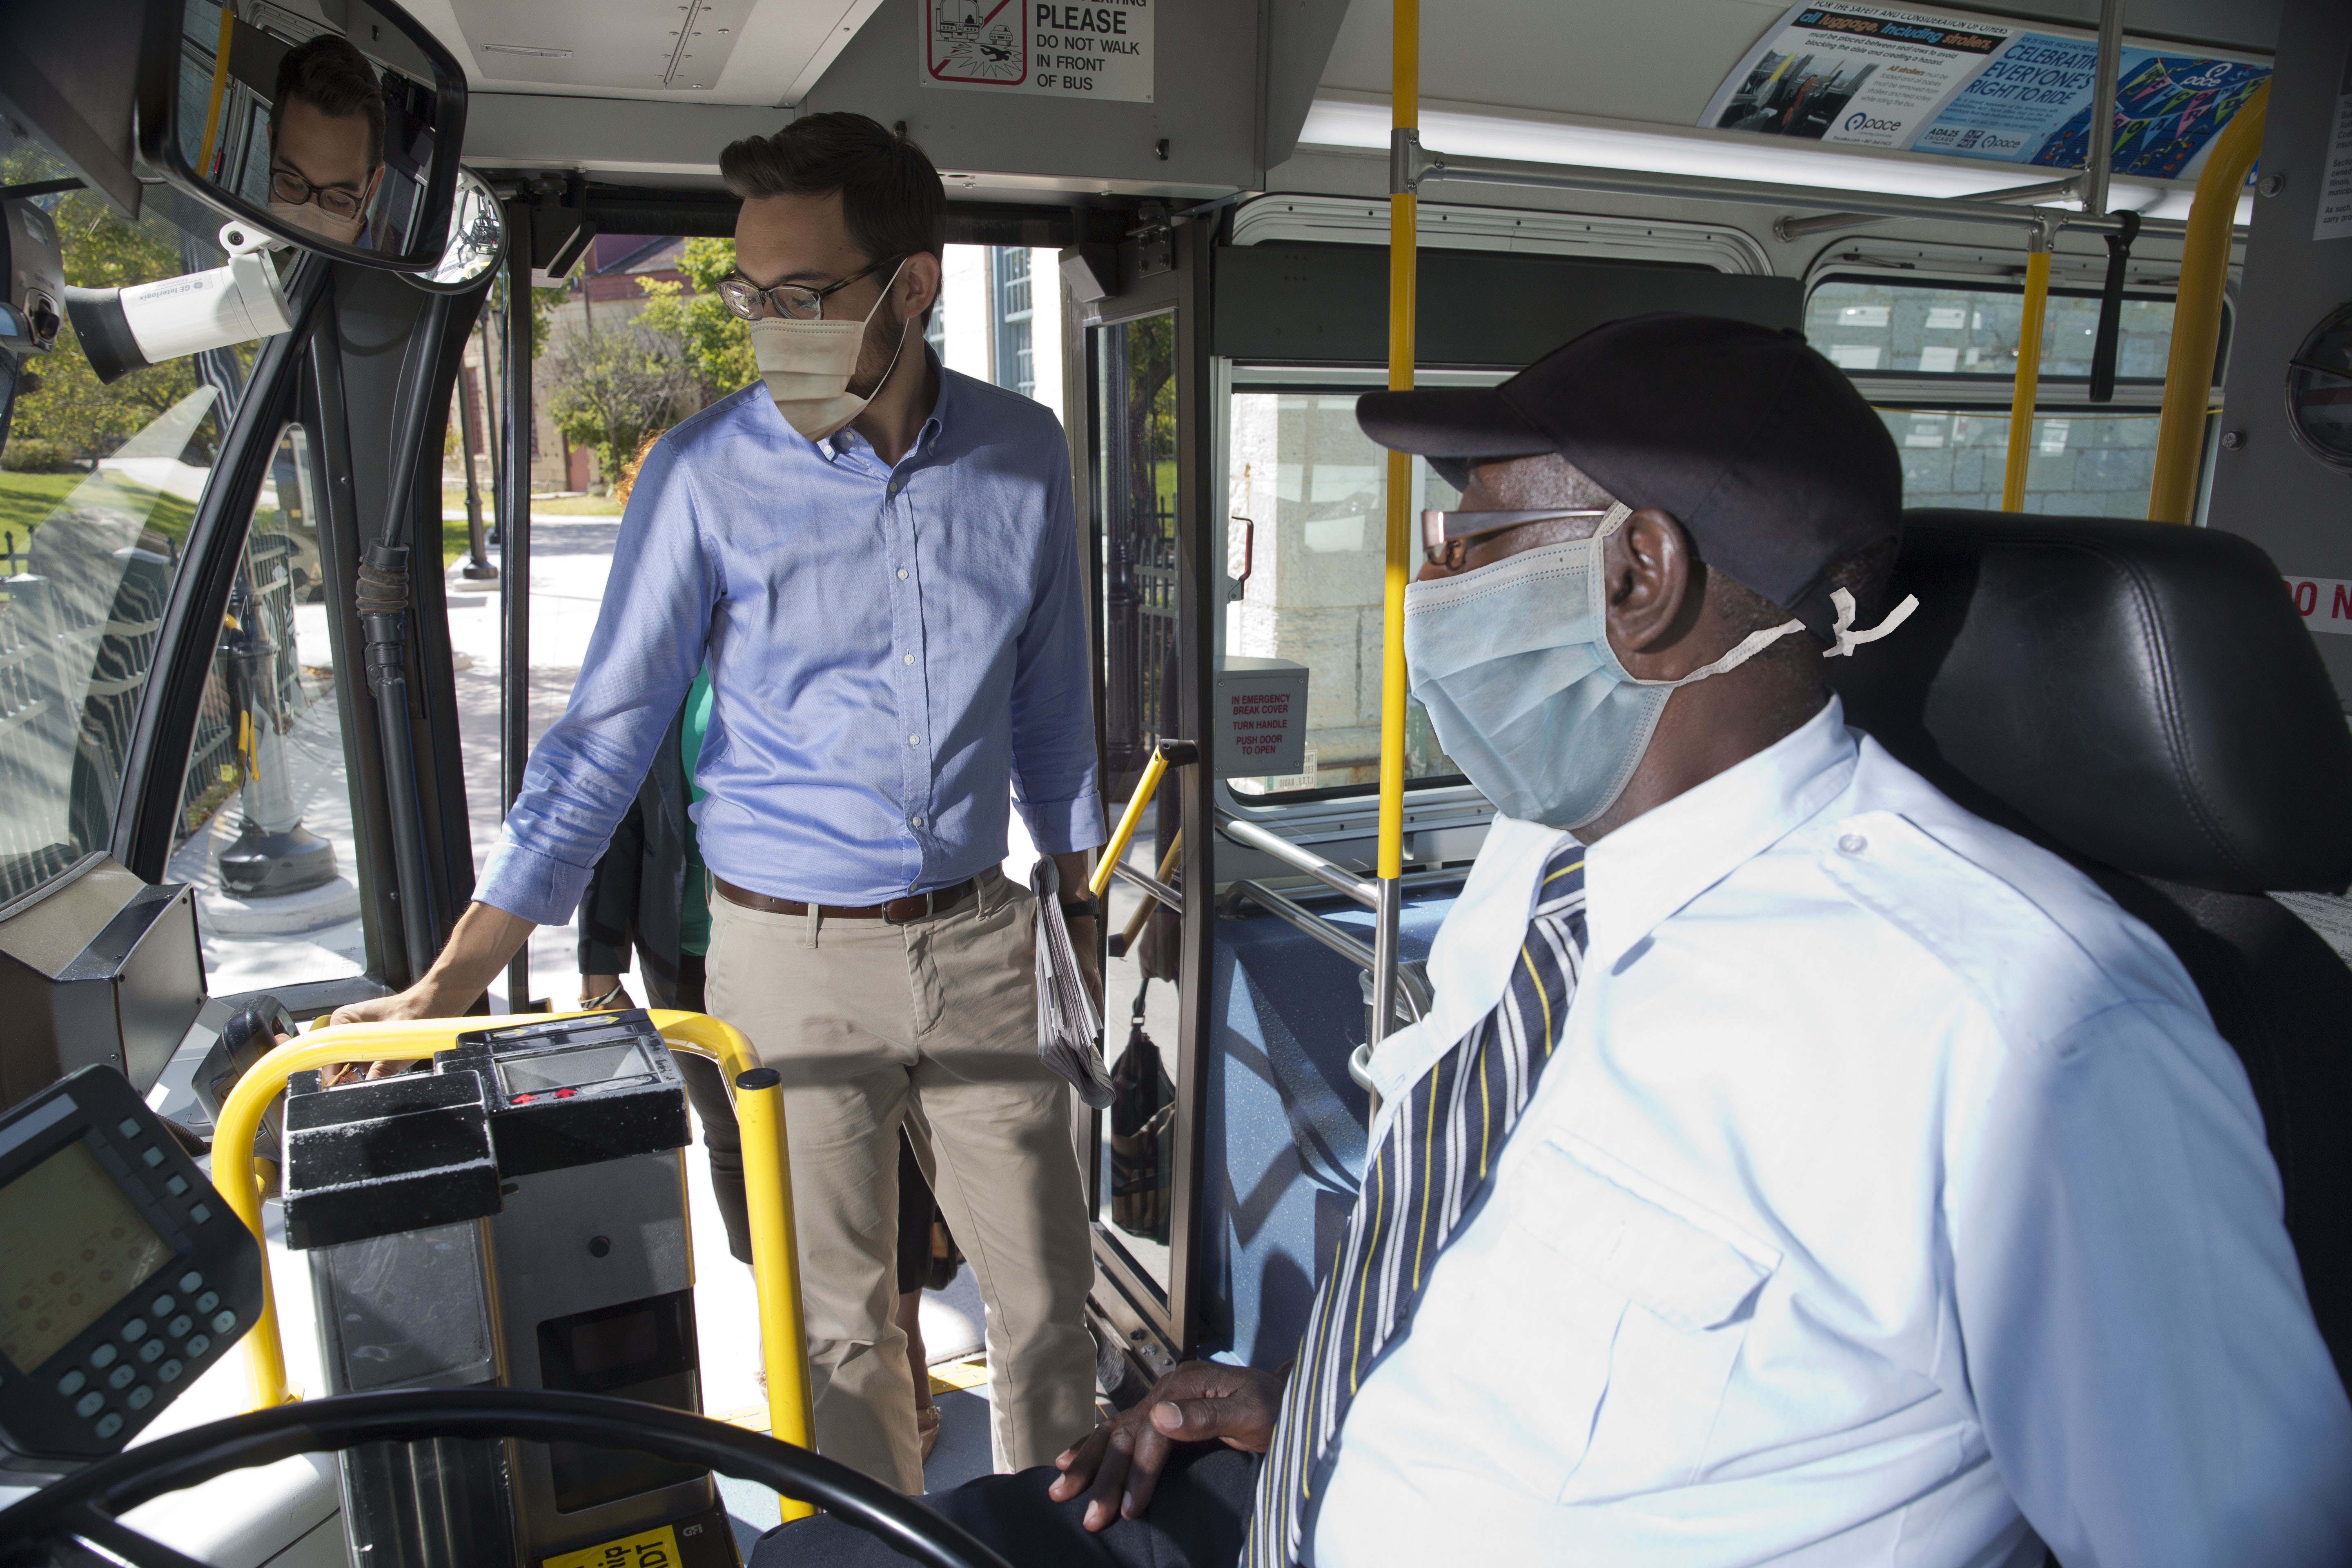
pixel 121 1376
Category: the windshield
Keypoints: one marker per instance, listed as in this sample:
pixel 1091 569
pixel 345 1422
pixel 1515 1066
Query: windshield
pixel 99 485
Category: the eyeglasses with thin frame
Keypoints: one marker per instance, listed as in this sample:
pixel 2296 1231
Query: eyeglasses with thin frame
pixel 793 301
pixel 1442 531
pixel 294 190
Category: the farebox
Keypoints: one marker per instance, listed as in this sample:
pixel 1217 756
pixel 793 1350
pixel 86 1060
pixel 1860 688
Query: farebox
pixel 515 1217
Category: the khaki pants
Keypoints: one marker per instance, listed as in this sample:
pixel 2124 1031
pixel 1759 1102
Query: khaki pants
pixel 932 1024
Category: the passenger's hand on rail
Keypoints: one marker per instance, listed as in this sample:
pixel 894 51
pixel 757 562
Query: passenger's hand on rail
pixel 1120 1461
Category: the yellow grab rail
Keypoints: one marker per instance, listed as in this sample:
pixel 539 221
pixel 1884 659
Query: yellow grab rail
pixel 776 1257
pixel 2028 371
pixel 1145 788
pixel 2196 311
pixel 1405 109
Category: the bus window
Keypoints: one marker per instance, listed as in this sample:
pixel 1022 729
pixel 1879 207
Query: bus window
pixel 1937 360
pixel 99 485
pixel 1315 490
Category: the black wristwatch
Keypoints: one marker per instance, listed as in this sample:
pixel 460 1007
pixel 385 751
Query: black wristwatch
pixel 1089 909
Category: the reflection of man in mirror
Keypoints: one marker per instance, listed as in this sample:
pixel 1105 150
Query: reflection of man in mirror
pixel 326 139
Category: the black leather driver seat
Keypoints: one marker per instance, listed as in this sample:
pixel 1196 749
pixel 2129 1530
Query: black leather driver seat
pixel 2141 699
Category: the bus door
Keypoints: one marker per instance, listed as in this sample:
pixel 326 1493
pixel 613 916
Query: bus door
pixel 1138 435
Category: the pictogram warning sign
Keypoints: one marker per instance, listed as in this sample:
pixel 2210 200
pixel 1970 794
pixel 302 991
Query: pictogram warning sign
pixel 1041 47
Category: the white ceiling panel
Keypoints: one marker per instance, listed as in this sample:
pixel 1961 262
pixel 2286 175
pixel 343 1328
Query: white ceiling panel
pixel 764 52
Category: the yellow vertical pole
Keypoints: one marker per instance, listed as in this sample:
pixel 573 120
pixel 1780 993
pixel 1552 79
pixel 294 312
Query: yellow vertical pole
pixel 2196 311
pixel 2029 371
pixel 775 1268
pixel 1404 91
pixel 227 41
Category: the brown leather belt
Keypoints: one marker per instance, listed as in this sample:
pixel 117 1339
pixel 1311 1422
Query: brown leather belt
pixel 898 911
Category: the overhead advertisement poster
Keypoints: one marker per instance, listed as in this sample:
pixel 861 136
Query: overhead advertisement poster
pixel 1931 81
pixel 1041 48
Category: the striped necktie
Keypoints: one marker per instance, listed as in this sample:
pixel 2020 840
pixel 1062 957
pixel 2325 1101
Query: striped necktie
pixel 1430 1169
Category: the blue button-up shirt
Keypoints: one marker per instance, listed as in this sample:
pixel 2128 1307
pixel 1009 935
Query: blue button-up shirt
pixel 888 647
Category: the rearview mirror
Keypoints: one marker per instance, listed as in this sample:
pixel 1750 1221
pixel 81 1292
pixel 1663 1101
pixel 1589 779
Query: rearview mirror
pixel 342 141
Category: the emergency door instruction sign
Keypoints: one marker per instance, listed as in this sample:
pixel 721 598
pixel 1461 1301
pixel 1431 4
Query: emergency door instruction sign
pixel 1045 48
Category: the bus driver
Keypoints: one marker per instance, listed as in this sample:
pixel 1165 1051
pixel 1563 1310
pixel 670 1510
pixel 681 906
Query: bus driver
pixel 1882 1191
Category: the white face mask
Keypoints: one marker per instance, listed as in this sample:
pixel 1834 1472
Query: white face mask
pixel 309 217
pixel 807 366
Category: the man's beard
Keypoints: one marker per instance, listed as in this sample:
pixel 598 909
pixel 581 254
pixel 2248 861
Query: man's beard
pixel 885 330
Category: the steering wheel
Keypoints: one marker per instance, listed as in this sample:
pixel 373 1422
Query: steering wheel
pixel 85 1506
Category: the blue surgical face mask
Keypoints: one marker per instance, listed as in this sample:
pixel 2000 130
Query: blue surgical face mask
pixel 1513 665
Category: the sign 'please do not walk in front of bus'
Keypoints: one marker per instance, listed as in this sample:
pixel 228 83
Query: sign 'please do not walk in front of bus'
pixel 1043 48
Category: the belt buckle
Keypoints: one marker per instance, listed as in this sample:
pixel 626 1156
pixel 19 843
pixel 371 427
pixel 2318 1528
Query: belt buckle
pixel 929 908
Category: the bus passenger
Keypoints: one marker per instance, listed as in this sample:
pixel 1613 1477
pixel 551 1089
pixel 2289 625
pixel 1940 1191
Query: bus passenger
pixel 878 559
pixel 326 139
pixel 650 894
pixel 1858 1184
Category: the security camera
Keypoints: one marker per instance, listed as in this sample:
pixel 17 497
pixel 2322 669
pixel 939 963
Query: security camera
pixel 124 330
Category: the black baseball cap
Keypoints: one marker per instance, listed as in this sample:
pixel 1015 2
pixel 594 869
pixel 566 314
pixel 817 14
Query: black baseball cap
pixel 1753 442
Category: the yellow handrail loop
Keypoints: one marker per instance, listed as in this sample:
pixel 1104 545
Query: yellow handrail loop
pixel 775 1258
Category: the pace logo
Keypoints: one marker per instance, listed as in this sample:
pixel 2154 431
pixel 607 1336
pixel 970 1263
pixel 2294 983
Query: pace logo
pixel 1861 121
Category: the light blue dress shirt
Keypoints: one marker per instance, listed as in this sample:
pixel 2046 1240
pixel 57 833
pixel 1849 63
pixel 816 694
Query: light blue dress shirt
pixel 888 647
pixel 1889 1199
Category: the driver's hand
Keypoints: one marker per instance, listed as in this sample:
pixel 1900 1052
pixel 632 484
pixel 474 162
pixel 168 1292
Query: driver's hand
pixel 1121 1459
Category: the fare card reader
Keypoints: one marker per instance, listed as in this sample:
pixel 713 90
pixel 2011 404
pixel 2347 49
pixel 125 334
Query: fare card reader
pixel 514 1217
pixel 122 1273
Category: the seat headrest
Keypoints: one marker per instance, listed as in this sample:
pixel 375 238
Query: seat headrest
pixel 2138 693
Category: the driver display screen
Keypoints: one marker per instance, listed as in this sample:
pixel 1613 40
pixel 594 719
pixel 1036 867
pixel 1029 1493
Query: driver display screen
pixel 573 1069
pixel 72 1244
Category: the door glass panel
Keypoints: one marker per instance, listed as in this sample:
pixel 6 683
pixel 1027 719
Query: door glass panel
pixel 1313 489
pixel 265 812
pixel 97 487
pixel 1135 400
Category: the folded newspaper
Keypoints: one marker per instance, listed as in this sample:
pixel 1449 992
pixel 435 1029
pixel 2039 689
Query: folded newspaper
pixel 1069 1022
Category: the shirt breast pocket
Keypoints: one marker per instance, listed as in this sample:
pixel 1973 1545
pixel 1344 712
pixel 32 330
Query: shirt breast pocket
pixel 1662 1295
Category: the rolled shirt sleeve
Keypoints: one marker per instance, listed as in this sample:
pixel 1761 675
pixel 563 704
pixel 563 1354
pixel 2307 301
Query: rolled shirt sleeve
pixel 650 639
pixel 1053 697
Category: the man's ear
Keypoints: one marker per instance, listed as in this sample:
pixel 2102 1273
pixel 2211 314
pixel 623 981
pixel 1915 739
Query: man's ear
pixel 918 284
pixel 1655 591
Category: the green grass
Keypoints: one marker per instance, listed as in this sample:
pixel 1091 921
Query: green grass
pixel 27 499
